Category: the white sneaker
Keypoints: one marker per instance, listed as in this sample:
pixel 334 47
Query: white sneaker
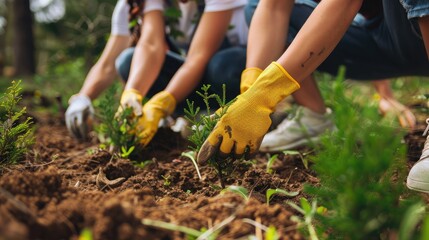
pixel 418 177
pixel 305 127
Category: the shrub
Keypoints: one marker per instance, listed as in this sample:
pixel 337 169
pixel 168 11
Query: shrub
pixel 16 135
pixel 361 169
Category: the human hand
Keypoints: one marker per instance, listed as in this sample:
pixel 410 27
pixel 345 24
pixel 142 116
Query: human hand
pixel 241 129
pixel 159 106
pixel 78 116
pixel 391 106
pixel 248 77
pixel 133 99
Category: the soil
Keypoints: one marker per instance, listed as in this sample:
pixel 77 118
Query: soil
pixel 65 186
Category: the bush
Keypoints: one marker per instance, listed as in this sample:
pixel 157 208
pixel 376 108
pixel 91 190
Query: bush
pixel 16 136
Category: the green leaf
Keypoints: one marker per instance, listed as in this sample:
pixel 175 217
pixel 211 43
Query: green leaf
pixel 271 192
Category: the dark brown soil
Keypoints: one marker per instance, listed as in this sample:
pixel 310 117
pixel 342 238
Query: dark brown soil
pixel 65 186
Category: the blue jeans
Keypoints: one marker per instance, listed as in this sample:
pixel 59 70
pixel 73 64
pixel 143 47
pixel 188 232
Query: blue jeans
pixel 224 67
pixel 392 48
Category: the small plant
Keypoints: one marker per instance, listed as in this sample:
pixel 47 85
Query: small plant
pixel 242 191
pixel 271 192
pixel 191 155
pixel 270 163
pixel 167 180
pixel 202 125
pixel 309 212
pixel 86 234
pixel 301 156
pixel 361 169
pixel 15 136
pixel 116 130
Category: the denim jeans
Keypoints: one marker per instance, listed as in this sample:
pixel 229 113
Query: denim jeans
pixel 224 67
pixel 392 48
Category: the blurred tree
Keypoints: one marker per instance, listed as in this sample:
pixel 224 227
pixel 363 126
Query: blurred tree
pixel 23 43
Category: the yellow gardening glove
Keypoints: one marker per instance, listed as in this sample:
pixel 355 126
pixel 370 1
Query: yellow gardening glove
pixel 242 127
pixel 131 98
pixel 159 106
pixel 248 77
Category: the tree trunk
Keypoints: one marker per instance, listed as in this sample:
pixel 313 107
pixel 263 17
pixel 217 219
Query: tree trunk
pixel 23 43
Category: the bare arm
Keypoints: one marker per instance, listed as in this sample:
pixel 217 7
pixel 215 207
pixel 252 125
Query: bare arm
pixel 103 73
pixel 149 53
pixel 424 29
pixel 268 31
pixel 319 36
pixel 208 38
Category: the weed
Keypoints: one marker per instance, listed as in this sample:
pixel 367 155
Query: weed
pixel 309 212
pixel 270 162
pixel 116 131
pixel 167 180
pixel 191 234
pixel 16 136
pixel 242 191
pixel 271 192
pixel 202 125
pixel 191 155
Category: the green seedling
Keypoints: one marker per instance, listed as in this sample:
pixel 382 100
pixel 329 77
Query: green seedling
pixel 308 211
pixel 191 155
pixel 270 232
pixel 192 234
pixel 271 192
pixel 167 181
pixel 242 191
pixel 142 164
pixel 86 234
pixel 270 163
pixel 202 125
pixel 301 156
pixel 116 131
pixel 125 153
pixel 16 135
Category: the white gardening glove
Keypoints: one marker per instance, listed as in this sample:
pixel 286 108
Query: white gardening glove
pixel 79 115
pixel 133 99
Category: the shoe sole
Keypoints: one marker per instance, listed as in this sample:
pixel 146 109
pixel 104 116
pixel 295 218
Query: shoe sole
pixel 299 143
pixel 417 185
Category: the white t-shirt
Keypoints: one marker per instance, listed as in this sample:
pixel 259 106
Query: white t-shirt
pixel 120 15
pixel 237 35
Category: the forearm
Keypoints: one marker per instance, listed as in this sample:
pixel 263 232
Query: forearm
pixel 186 79
pixel 319 36
pixel 103 73
pixel 268 43
pixel 207 40
pixel 424 29
pixel 383 88
pixel 149 54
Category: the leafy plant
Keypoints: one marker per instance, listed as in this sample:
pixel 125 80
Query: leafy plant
pixel 16 136
pixel 309 212
pixel 271 192
pixel 191 155
pixel 242 191
pixel 116 130
pixel 203 124
pixel 270 163
pixel 361 170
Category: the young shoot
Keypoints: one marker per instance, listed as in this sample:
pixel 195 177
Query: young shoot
pixel 270 163
pixel 242 191
pixel 271 192
pixel 191 155
pixel 202 125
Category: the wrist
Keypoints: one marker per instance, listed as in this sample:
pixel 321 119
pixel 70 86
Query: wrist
pixel 80 97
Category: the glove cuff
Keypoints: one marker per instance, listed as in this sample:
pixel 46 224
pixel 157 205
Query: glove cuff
pixel 272 86
pixel 81 98
pixel 133 92
pixel 164 101
pixel 248 77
